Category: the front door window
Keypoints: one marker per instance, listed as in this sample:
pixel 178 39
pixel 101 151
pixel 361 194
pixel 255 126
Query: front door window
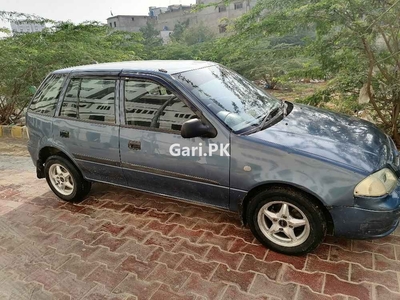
pixel 150 105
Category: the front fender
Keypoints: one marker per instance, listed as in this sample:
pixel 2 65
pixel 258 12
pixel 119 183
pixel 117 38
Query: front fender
pixel 255 163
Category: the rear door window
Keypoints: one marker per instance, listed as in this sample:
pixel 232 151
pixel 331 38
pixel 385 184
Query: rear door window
pixel 45 100
pixel 90 99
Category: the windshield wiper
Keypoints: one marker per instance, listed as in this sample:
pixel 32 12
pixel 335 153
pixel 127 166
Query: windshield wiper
pixel 273 114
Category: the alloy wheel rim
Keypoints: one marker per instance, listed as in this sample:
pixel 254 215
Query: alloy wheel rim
pixel 283 223
pixel 61 179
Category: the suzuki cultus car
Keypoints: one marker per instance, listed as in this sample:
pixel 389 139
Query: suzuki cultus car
pixel 200 132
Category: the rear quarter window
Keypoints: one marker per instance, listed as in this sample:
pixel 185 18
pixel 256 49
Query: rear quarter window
pixel 45 100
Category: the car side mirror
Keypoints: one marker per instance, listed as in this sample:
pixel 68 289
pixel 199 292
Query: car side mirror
pixel 32 90
pixel 195 128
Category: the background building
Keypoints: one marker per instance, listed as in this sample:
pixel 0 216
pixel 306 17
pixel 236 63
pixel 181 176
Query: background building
pixel 165 18
pixel 155 11
pixel 26 27
pixel 131 23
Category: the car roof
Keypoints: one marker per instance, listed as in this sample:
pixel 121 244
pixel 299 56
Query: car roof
pixel 156 66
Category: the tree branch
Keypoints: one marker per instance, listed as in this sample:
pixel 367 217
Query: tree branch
pixel 369 81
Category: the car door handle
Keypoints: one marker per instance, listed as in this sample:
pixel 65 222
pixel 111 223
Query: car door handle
pixel 64 134
pixel 135 145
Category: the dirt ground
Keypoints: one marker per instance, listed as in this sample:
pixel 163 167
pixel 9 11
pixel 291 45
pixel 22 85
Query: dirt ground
pixel 15 147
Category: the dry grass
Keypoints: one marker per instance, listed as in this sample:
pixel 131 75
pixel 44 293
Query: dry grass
pixel 297 91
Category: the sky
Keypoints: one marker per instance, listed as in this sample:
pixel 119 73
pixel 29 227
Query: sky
pixel 83 10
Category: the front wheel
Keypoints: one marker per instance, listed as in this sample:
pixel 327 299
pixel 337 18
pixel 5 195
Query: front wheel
pixel 286 221
pixel 65 180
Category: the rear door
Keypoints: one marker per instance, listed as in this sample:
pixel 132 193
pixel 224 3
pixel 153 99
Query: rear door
pixel 87 126
pixel 152 117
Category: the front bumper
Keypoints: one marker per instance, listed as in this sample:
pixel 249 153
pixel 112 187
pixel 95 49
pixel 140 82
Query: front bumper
pixel 368 218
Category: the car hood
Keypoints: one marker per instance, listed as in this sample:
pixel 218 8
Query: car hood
pixel 344 140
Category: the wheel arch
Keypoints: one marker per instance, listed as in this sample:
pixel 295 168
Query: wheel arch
pixel 48 151
pixel 257 189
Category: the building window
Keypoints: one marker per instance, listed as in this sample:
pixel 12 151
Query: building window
pixel 115 24
pixel 239 5
pixel 221 8
pixel 222 28
pixel 110 24
pixel 133 19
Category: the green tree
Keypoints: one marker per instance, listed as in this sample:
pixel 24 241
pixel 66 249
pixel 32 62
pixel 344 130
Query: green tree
pixel 25 59
pixel 151 36
pixel 179 29
pixel 355 39
pixel 197 34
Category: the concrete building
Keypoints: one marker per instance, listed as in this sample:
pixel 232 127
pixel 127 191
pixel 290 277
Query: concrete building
pixel 129 23
pixel 155 11
pixel 165 18
pixel 26 27
pixel 215 18
pixel 175 13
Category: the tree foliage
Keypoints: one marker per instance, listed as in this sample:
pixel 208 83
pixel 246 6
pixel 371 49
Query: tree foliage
pixel 25 59
pixel 357 42
pixel 179 29
pixel 151 36
pixel 197 34
pixel 354 43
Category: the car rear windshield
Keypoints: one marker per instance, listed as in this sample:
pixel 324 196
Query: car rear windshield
pixel 46 98
pixel 235 100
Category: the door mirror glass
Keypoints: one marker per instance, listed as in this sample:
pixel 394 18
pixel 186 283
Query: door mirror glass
pixel 196 128
pixel 32 90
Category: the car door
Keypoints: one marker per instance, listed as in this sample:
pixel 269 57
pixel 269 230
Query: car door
pixel 150 139
pixel 87 126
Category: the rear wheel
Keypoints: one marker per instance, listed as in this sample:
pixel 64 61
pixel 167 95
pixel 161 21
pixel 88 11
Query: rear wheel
pixel 286 221
pixel 65 180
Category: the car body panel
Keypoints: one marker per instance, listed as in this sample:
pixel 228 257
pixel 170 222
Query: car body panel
pixel 347 141
pixel 193 178
pixel 40 133
pixel 94 147
pixel 368 218
pixel 273 163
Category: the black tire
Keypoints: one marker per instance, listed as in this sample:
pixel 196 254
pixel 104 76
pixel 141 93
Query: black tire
pixel 303 205
pixel 81 187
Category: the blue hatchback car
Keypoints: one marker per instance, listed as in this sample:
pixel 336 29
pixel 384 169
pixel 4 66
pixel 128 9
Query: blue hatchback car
pixel 200 132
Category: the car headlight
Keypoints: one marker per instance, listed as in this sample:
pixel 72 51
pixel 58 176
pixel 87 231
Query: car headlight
pixel 376 185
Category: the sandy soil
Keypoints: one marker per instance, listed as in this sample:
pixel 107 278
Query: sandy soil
pixel 15 147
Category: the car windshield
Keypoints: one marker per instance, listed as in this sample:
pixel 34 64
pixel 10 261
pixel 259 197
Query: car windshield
pixel 235 100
